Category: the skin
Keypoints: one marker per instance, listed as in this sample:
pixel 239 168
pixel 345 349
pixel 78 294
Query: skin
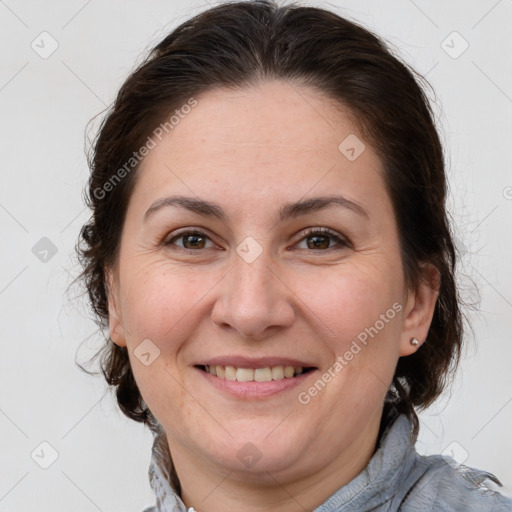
pixel 251 152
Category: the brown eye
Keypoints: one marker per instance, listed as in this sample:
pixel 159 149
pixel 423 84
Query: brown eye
pixel 192 240
pixel 320 239
pixel 318 242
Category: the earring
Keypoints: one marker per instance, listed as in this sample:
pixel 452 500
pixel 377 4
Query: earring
pixel 415 341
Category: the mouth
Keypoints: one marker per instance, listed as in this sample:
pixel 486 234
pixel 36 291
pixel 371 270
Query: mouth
pixel 266 374
pixel 254 383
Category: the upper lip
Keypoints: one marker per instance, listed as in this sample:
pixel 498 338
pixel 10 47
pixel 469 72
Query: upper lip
pixel 254 362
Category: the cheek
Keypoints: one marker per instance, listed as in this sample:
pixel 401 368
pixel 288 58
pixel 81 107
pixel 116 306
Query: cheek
pixel 360 320
pixel 156 304
pixel 160 305
pixel 347 304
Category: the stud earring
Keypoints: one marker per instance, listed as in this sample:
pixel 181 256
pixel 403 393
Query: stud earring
pixel 415 341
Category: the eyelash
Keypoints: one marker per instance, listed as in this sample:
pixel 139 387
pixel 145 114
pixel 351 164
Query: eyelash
pixel 307 234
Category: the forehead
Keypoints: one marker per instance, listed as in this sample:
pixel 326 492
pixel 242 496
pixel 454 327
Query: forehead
pixel 271 139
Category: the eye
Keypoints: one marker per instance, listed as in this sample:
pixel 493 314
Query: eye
pixel 192 240
pixel 321 238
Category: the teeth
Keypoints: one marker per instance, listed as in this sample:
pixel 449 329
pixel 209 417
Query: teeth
pixel 259 374
pixel 288 371
pixel 244 374
pixel 263 375
pixel 277 373
pixel 230 373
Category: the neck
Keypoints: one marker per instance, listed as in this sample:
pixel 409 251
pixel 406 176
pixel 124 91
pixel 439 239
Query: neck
pixel 210 488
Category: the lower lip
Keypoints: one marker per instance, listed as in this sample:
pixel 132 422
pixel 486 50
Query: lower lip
pixel 255 389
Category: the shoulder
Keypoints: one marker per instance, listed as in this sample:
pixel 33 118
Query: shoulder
pixel 446 486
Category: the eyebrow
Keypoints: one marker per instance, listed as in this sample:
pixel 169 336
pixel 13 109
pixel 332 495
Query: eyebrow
pixel 289 210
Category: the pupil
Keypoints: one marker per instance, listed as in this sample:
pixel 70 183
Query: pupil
pixel 193 237
pixel 319 245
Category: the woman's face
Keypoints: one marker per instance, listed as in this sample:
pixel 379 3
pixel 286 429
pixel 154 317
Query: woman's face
pixel 257 290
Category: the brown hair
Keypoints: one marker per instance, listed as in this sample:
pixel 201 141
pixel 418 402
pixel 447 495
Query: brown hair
pixel 235 45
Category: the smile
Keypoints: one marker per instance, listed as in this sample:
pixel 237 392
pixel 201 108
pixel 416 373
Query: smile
pixel 266 374
pixel 254 383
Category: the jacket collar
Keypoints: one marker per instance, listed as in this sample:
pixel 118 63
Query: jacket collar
pixel 375 485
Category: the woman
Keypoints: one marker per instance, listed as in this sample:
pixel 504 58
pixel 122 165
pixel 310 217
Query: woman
pixel 270 249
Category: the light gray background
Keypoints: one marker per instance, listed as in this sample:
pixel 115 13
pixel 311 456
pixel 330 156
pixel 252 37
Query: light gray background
pixel 45 105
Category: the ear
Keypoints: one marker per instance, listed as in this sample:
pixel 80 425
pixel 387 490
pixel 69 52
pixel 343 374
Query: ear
pixel 115 323
pixel 419 310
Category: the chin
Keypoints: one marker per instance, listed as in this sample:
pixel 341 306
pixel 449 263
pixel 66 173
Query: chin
pixel 262 451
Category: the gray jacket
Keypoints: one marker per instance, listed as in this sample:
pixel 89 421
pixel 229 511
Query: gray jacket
pixel 397 479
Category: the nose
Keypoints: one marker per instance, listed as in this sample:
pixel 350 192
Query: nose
pixel 254 299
